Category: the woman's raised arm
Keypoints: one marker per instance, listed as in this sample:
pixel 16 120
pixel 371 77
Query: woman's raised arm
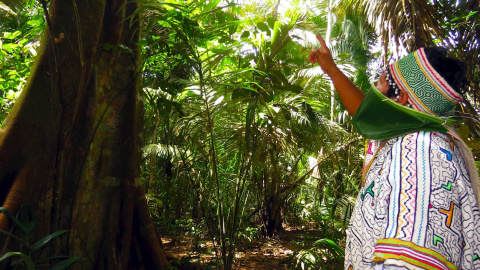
pixel 349 94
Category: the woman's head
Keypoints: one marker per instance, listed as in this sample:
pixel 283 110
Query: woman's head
pixel 430 80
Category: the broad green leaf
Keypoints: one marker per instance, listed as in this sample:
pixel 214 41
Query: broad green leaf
pixel 28 225
pixel 34 23
pixel 12 72
pixel 245 34
pixel 10 47
pixel 24 258
pixel 12 218
pixel 225 39
pixel 164 24
pixel 263 26
pixel 217 50
pixel 211 5
pixel 12 35
pixel 271 22
pixel 232 29
pixel 276 32
pixel 41 243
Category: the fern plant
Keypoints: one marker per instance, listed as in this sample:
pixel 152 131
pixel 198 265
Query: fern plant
pixel 325 254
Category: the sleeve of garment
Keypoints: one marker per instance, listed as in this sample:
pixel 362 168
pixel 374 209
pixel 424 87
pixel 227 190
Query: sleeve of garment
pixel 433 217
pixel 380 118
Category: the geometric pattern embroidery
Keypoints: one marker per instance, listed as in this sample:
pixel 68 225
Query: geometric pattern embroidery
pixel 421 207
pixel 427 91
pixel 368 191
pixel 450 142
pixel 437 239
pixel 369 149
pixel 449 214
pixel 407 189
pixel 448 186
pixel 449 155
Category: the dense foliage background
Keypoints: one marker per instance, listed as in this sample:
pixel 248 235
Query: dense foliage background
pixel 241 135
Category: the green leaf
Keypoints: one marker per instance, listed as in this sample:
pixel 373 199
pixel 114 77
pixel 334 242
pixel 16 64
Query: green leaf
pixel 28 262
pixel 263 26
pixel 267 96
pixel 12 72
pixel 164 24
pixel 13 35
pixel 37 17
pixel 41 243
pixel 67 263
pixel 13 218
pixel 211 5
pixel 10 47
pixel 29 225
pixel 142 43
pixel 217 50
pixel 224 40
pixel 11 96
pixel 34 23
pixel 464 17
pixel 232 29
pixel 271 22
pixel 472 13
pixel 245 34
pixel 294 88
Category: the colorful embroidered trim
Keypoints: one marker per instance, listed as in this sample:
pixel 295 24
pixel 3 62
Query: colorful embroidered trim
pixel 409 252
pixel 428 91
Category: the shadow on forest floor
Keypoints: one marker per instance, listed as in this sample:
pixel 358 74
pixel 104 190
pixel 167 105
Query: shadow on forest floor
pixel 275 253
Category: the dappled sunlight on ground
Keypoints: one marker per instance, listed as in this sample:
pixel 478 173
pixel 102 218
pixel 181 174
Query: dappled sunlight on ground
pixel 275 253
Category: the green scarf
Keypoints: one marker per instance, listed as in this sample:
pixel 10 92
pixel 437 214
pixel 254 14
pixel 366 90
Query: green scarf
pixel 380 118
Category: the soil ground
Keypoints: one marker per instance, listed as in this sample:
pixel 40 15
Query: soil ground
pixel 275 253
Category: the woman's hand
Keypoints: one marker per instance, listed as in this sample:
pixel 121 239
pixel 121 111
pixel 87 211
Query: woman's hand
pixel 323 57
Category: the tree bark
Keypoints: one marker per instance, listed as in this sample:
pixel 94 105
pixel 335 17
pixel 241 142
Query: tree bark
pixel 71 144
pixel 273 218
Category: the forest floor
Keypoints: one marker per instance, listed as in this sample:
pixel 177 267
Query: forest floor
pixel 274 253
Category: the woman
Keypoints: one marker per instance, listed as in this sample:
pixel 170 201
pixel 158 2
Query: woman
pixel 418 205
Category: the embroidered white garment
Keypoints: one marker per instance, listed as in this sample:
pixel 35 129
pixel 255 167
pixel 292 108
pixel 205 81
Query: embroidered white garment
pixel 416 208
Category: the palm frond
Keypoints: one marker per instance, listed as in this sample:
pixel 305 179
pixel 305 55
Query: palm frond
pixel 160 150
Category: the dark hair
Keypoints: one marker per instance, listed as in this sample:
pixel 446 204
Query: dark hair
pixel 451 69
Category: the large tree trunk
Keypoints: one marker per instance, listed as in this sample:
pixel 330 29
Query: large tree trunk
pixel 71 145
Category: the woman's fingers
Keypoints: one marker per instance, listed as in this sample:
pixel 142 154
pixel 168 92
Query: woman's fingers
pixel 313 56
pixel 323 44
pixel 317 55
pixel 322 41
